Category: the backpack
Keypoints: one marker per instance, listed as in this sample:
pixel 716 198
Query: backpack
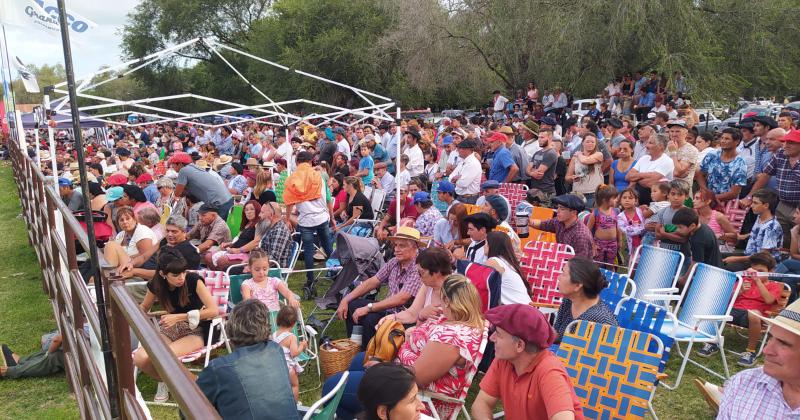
pixel 387 341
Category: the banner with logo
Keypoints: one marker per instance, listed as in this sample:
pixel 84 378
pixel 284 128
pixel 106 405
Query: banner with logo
pixel 27 76
pixel 43 15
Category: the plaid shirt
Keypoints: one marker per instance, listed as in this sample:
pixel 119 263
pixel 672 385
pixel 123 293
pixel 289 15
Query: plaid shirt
pixel 277 242
pixel 576 235
pixel 752 394
pixel 400 279
pixel 788 178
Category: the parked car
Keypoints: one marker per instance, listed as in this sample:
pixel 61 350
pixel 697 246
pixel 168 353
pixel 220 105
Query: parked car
pixel 452 113
pixel 709 108
pixel 581 107
pixel 794 105
pixel 712 124
pixel 758 109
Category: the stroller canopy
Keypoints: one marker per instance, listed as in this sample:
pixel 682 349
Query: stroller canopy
pixel 360 259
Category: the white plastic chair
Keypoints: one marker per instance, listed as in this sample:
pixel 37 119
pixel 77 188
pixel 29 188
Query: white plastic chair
pixel 655 271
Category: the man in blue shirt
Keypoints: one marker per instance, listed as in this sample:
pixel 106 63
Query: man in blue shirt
pixel 503 167
pixel 224 142
pixel 646 102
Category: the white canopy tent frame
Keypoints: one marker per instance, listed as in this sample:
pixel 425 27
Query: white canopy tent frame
pixel 376 108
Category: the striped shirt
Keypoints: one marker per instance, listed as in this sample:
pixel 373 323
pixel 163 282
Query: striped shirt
pixel 752 394
pixel 788 178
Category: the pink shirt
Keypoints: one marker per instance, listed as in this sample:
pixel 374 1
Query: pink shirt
pixel 266 293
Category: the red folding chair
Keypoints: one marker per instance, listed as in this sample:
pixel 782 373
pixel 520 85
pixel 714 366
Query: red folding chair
pixel 542 263
pixel 515 194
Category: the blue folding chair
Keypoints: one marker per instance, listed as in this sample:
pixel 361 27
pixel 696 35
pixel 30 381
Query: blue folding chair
pixel 702 310
pixel 616 289
pixel 655 270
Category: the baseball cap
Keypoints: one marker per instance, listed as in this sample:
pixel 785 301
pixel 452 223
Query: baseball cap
pixel 117 180
pixel 145 177
pixel 467 144
pixel 497 136
pixel 64 182
pixel 446 187
pixel 679 122
pixel 792 136
pixel 524 322
pixel 114 193
pixel 447 140
pixel 180 157
pixel 421 197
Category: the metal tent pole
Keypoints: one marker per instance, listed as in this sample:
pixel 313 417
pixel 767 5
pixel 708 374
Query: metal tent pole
pixel 111 378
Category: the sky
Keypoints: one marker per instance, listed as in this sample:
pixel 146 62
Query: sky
pixel 100 48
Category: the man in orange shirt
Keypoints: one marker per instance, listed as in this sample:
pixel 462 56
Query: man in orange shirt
pixel 525 375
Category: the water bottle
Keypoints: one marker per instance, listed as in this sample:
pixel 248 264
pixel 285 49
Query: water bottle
pixel 356 335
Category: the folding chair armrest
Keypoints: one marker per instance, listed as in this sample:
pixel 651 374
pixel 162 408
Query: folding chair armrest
pixel 430 395
pixel 545 305
pixel 666 298
pixel 664 290
pixel 720 318
pixel 661 376
pixel 311 331
pixel 217 321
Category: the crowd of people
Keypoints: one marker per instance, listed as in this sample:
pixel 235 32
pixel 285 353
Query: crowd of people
pixel 177 197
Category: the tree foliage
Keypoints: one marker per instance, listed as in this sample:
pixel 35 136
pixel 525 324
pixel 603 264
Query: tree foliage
pixel 443 53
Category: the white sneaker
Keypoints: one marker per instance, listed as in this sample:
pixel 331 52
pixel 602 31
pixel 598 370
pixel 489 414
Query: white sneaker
pixel 162 394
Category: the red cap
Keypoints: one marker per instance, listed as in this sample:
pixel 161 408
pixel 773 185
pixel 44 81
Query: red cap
pixel 117 180
pixel 524 322
pixel 143 178
pixel 792 136
pixel 750 114
pixel 249 174
pixel 497 136
pixel 180 157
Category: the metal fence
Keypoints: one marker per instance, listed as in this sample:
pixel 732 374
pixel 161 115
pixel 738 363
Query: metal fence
pixel 47 217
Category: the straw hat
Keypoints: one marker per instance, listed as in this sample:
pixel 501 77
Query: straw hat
pixel 408 234
pixel 252 162
pixel 222 160
pixel 788 318
pixel 202 164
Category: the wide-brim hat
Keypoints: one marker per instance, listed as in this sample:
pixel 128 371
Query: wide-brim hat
pixel 407 234
pixel 788 318
pixel 223 160
pixel 252 162
pixel 202 164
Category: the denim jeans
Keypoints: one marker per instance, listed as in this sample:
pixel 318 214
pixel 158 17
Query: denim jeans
pixel 323 234
pixel 349 406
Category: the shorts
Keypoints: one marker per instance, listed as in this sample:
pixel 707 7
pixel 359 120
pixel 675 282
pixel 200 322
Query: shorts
pixel 179 330
pixel 740 317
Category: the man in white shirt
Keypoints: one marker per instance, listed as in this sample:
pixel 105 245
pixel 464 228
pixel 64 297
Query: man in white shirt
pixel 416 161
pixel 559 103
pixel 652 167
pixel 467 174
pixel 284 149
pixel 499 105
pixel 342 145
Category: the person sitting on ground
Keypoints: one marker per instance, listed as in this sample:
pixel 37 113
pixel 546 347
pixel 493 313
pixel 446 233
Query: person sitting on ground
pixel 428 214
pixel 390 391
pixel 402 278
pixel 757 296
pixel 211 230
pixel 49 360
pixel 581 283
pixel 766 235
pixel 189 306
pixel 770 391
pixel 442 351
pixel 234 383
pixel 248 239
pixel 567 227
pixel 502 257
pixel 525 376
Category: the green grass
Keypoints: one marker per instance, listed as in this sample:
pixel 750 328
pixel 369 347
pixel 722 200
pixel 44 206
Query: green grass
pixel 26 314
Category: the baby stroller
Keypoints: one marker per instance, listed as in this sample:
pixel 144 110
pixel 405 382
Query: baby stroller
pixel 360 258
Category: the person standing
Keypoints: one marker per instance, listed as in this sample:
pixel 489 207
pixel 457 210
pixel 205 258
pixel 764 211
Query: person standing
pixel 651 168
pixel 305 190
pixel 416 160
pixel 517 153
pixel 499 103
pixel 503 168
pixel 205 186
pixel 723 171
pixel 683 154
pixel 542 167
pixel 467 174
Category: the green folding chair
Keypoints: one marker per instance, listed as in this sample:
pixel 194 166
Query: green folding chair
pixel 235 219
pixel 330 401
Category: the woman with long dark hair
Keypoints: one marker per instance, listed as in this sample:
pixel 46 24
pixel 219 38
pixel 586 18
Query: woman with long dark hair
pixel 336 184
pixel 250 233
pixel 514 288
pixel 189 306
pixel 389 391
pixel 358 205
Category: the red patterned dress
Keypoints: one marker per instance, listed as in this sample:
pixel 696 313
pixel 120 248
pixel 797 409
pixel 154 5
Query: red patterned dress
pixel 454 383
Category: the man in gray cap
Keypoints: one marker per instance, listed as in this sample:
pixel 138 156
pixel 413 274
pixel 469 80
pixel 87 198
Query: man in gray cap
pixel 567 227
pixel 211 231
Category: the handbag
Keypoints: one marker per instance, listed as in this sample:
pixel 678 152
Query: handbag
pixel 384 345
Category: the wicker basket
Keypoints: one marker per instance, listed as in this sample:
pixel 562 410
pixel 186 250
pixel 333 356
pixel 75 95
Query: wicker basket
pixel 337 356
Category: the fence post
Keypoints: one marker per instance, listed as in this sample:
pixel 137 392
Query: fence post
pixel 121 344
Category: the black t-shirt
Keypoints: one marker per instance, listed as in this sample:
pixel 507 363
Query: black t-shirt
pixel 360 200
pixel 327 151
pixel 705 248
pixel 245 237
pixel 174 295
pixel 186 249
pixel 267 196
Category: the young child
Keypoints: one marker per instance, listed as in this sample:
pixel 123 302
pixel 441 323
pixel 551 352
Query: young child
pixel 766 235
pixel 658 193
pixel 630 220
pixel 403 176
pixel 702 240
pixel 366 165
pixel 263 287
pixel 663 228
pixel 758 294
pixel 292 347
pixel 603 224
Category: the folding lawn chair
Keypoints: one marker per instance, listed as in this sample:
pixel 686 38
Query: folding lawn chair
pixel 655 270
pixel 330 401
pixel 778 306
pixel 234 219
pixel 616 289
pixel 428 397
pixel 735 214
pixel 613 369
pixel 514 194
pixel 542 263
pixel 218 284
pixel 703 309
